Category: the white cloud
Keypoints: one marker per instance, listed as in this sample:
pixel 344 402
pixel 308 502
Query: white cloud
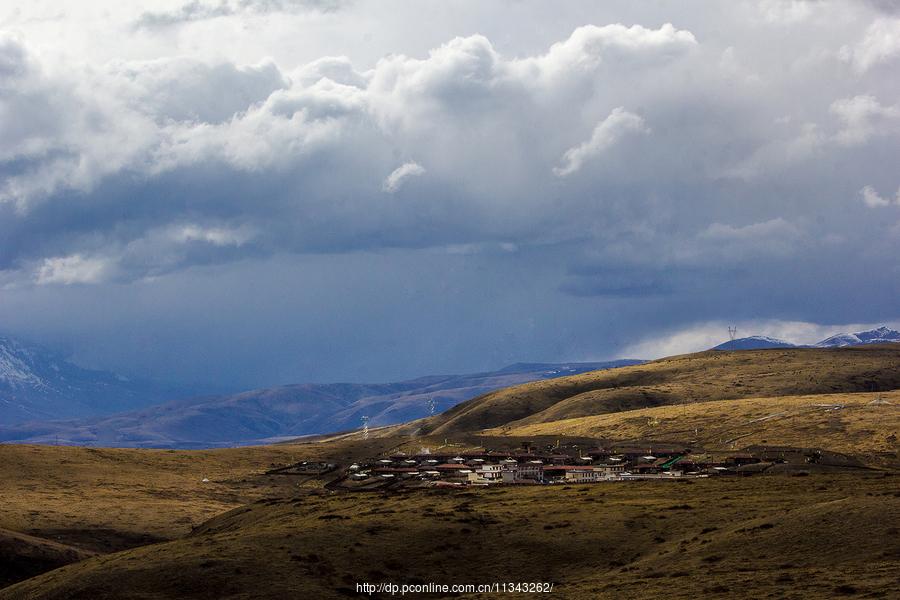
pixel 185 89
pixel 68 270
pixel 154 116
pixel 286 129
pixel 590 46
pixel 775 228
pixel 873 199
pixel 723 243
pixel 204 10
pixel 860 119
pixel 793 145
pixel 400 175
pixel 217 236
pixel 864 117
pixel 785 12
pixel 66 131
pixel 881 44
pixel 619 124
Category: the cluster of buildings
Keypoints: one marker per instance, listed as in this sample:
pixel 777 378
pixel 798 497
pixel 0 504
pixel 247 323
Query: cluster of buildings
pixel 554 465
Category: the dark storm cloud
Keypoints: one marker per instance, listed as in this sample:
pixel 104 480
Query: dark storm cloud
pixel 467 201
pixel 244 157
pixel 250 160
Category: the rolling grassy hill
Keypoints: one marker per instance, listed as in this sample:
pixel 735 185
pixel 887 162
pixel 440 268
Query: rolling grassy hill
pixel 744 538
pixel 692 378
pixel 855 424
pixel 23 556
pixel 111 498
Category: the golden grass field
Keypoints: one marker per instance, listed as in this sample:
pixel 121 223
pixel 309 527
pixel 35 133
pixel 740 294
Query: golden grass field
pixel 860 427
pixel 142 524
pixel 757 537
pixel 106 499
pixel 700 377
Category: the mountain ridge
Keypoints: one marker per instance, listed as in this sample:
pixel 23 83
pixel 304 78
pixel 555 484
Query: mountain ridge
pixel 284 412
pixel 879 335
pixel 37 383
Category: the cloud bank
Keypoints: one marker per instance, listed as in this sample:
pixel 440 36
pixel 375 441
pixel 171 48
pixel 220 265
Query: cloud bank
pixel 527 193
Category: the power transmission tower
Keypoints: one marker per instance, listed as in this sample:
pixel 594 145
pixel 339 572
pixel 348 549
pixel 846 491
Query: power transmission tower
pixel 365 428
pixel 431 405
pixel 732 332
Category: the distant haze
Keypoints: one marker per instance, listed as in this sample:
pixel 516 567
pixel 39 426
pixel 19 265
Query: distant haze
pixel 251 193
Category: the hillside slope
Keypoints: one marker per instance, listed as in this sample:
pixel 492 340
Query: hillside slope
pixel 701 377
pixel 861 424
pixel 23 556
pixel 741 538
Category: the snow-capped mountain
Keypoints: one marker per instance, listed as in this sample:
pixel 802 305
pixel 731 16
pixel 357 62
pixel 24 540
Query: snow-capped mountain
pixel 880 335
pixel 754 342
pixel 39 384
pixel 873 336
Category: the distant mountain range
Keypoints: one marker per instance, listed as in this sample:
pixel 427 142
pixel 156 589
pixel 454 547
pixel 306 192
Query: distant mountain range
pixel 873 336
pixel 880 335
pixel 46 399
pixel 289 411
pixel 36 383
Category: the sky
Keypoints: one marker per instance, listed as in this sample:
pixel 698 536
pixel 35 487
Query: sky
pixel 256 192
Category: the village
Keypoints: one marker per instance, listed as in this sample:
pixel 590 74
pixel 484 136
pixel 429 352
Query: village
pixel 527 465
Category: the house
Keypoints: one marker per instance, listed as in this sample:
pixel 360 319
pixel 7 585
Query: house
pixel 737 459
pixel 785 454
pixel 509 470
pixel 581 475
pixel 492 473
pixel 450 468
pixel 571 473
pixel 609 470
pixel 599 453
pixel 533 470
pixel 404 472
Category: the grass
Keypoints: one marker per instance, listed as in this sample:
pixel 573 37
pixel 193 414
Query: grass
pixel 742 538
pixel 23 556
pixel 860 427
pixel 109 499
pixel 701 377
